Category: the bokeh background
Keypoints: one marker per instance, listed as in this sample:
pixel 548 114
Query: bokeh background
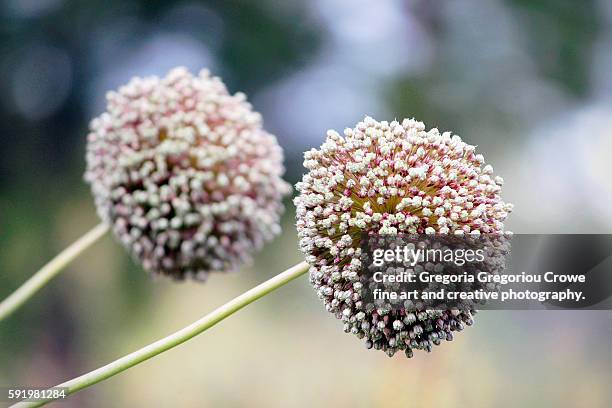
pixel 528 81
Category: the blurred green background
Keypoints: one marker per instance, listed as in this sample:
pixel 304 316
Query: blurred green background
pixel 527 81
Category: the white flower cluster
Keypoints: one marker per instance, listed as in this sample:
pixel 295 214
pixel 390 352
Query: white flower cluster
pixel 185 174
pixel 390 178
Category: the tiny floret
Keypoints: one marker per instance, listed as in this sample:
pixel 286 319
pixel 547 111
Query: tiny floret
pixel 185 174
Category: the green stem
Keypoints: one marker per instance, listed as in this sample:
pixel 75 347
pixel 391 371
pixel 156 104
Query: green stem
pixel 49 271
pixel 179 337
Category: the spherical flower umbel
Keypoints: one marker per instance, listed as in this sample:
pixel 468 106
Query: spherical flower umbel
pixel 185 174
pixel 390 178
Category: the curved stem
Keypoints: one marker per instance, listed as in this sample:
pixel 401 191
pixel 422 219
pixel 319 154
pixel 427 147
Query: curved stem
pixel 49 271
pixel 178 337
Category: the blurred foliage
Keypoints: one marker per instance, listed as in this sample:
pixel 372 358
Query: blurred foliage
pixel 560 35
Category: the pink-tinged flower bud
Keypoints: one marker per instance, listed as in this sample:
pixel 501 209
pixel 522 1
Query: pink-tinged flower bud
pixel 185 174
pixel 386 179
